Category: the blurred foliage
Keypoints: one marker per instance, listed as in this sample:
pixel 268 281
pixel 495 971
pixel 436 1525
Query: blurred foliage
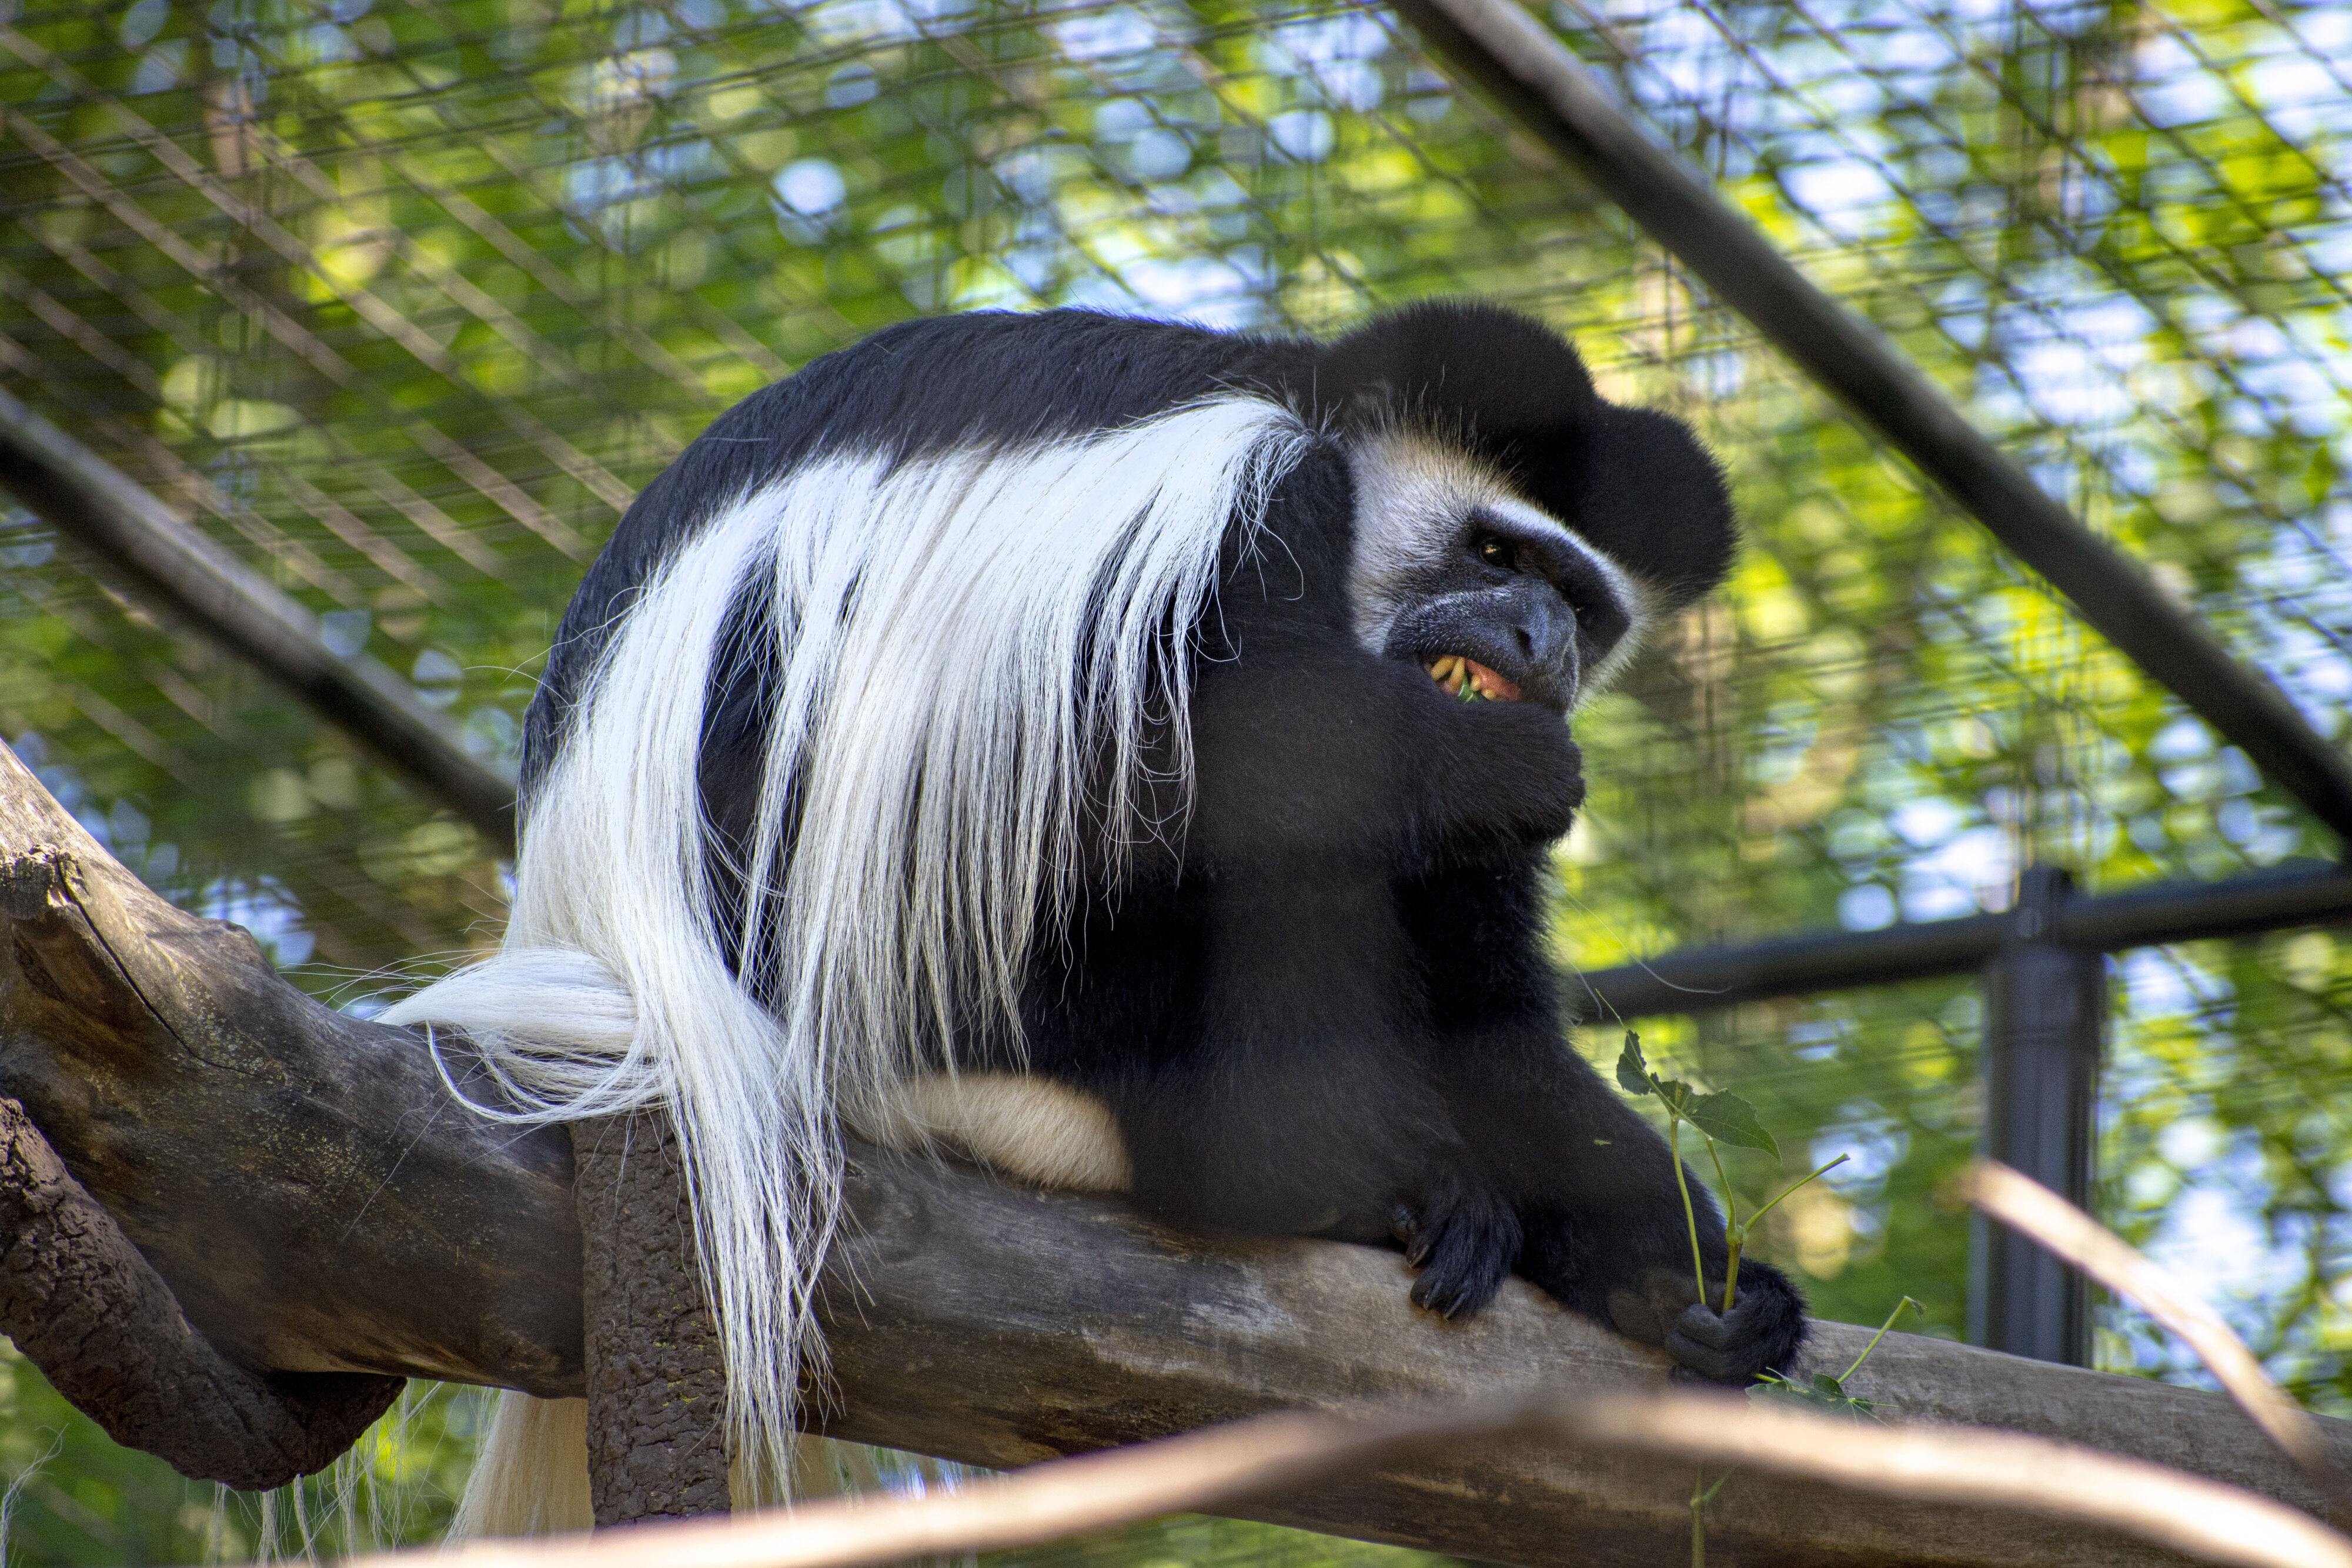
pixel 401 301
pixel 73 1496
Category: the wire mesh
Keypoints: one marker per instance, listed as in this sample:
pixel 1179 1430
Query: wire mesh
pixel 401 300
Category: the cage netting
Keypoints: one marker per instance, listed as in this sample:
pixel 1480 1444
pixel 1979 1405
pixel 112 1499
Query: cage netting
pixel 400 302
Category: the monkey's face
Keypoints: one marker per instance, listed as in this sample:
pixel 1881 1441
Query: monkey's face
pixel 1495 598
pixel 1515 533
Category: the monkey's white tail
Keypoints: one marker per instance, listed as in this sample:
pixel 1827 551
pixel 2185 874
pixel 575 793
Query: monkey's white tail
pixel 612 992
pixel 530 1476
pixel 958 660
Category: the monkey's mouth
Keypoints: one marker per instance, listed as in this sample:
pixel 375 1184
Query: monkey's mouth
pixel 1466 680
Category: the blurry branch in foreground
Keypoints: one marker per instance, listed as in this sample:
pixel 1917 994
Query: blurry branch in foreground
pixel 1217 1467
pixel 2026 1206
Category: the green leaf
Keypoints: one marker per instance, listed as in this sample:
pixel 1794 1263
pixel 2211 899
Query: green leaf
pixel 1728 1119
pixel 1677 1096
pixel 1633 1072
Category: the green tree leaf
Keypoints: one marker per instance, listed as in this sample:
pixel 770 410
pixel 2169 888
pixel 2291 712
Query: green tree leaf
pixel 1728 1119
pixel 1633 1072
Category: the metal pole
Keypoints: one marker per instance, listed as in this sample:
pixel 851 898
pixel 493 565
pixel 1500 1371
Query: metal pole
pixel 1703 979
pixel 2046 1004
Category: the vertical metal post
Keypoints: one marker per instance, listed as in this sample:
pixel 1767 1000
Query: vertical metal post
pixel 2045 1008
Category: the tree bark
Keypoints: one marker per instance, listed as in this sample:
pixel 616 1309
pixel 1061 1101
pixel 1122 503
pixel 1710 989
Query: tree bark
pixel 310 1193
pixel 657 1388
pixel 303 1179
pixel 78 1298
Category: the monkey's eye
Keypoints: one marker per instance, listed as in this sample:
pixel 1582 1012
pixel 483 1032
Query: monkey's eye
pixel 1499 552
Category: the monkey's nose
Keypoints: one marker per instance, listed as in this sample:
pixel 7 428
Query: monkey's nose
pixel 1544 627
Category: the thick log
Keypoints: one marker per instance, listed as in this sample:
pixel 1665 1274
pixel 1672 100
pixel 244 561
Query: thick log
pixel 302 1180
pixel 305 1184
pixel 1000 1327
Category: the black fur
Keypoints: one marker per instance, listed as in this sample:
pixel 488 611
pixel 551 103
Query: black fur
pixel 1324 1008
pixel 1632 480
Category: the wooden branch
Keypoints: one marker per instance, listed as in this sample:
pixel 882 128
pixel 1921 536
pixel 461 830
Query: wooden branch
pixel 657 1387
pixel 78 1298
pixel 1219 1467
pixel 302 1180
pixel 306 1187
pixel 2026 1205
pixel 1000 1327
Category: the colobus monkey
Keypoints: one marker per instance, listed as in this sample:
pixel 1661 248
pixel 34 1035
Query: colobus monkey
pixel 1125 754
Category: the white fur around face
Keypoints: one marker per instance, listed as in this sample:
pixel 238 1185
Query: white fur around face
pixel 1413 494
pixel 1032 1129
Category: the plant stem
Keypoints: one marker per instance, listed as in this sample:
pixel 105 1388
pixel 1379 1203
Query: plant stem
pixel 1905 1302
pixel 1701 1495
pixel 1682 1183
pixel 1792 1186
pixel 1734 1234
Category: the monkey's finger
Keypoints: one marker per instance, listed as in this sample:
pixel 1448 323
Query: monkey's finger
pixel 1708 1360
pixel 1467 1271
pixel 1703 1326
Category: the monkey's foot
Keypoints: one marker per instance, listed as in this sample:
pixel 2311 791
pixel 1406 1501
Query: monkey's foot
pixel 1463 1241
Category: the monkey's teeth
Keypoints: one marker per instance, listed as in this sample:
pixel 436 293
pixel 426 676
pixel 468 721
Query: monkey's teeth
pixel 1469 681
pixel 1490 686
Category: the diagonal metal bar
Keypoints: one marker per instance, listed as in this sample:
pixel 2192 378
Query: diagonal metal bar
pixel 171 567
pixel 392 323
pixel 1532 74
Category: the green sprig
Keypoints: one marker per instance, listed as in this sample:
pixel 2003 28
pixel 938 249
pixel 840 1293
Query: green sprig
pixel 1720 1118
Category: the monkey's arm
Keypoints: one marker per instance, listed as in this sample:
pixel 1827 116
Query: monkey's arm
pixel 1593 1184
pixel 1308 748
pixel 1247 1035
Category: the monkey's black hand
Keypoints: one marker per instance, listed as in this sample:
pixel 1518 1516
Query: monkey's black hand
pixel 1463 1240
pixel 1499 774
pixel 1760 1333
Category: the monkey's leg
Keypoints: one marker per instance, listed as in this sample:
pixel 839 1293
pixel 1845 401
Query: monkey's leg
pixel 1351 1143
pixel 1462 1234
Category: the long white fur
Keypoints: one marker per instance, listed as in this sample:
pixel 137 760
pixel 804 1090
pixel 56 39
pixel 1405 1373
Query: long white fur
pixel 954 638
pixel 530 1475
